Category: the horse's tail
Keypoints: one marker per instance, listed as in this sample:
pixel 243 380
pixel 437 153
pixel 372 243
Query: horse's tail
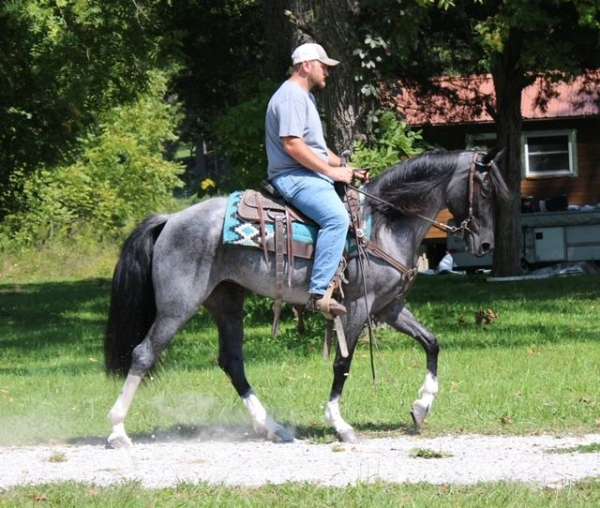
pixel 132 304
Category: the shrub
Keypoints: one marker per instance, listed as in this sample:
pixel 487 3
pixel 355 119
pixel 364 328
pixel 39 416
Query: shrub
pixel 395 142
pixel 241 139
pixel 119 177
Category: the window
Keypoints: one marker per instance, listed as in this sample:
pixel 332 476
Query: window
pixel 545 153
pixel 549 153
pixel 483 140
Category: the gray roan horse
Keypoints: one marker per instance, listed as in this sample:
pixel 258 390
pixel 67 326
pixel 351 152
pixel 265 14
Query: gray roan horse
pixel 171 265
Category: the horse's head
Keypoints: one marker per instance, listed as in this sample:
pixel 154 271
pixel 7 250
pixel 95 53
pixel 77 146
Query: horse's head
pixel 472 194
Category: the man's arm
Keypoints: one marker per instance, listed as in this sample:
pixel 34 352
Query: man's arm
pixel 334 160
pixel 362 175
pixel 299 151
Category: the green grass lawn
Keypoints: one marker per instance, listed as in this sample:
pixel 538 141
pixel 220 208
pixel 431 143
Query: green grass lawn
pixel 584 494
pixel 534 369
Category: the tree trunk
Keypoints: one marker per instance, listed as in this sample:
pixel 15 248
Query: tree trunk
pixel 509 81
pixel 332 25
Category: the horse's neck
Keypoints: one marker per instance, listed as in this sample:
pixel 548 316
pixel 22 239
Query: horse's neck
pixel 423 226
pixel 402 237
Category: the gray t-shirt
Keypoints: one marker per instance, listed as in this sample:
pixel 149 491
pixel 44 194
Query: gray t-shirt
pixel 292 111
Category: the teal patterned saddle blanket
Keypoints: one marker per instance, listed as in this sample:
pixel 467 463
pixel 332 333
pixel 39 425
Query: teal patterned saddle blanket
pixel 238 231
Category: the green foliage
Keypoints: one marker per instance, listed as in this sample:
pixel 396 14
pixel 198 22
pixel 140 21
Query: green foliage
pixel 426 453
pixel 119 177
pixel 222 45
pixel 395 142
pixel 589 13
pixel 527 25
pixel 590 448
pixel 258 309
pixel 64 62
pixel 241 138
pixel 429 38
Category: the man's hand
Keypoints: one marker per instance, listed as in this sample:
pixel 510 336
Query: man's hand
pixel 342 174
pixel 362 175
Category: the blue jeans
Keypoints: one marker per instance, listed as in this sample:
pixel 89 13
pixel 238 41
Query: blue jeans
pixel 316 198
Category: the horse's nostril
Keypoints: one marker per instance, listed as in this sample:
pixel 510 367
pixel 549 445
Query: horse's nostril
pixel 485 247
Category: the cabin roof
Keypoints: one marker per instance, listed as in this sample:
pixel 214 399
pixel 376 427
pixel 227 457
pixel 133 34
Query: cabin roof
pixel 462 100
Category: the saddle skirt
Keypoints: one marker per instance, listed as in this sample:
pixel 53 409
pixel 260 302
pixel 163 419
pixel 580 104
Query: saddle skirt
pixel 243 225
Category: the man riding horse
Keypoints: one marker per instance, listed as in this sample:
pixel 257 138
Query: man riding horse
pixel 172 265
pixel 303 169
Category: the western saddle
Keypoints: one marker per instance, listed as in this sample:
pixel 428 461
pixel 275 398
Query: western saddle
pixel 267 207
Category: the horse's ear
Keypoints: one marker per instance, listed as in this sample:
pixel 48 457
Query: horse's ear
pixel 493 160
pixel 495 154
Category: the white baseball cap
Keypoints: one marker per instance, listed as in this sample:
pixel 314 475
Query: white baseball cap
pixel 311 51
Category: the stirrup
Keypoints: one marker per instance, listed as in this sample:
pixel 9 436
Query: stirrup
pixel 326 305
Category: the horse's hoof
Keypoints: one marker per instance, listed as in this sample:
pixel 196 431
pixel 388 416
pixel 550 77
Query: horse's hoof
pixel 418 414
pixel 118 441
pixel 348 436
pixel 416 424
pixel 281 435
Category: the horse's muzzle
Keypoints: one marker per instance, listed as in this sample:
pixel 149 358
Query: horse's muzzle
pixel 485 248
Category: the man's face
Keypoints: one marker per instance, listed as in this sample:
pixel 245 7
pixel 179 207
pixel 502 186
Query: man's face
pixel 317 74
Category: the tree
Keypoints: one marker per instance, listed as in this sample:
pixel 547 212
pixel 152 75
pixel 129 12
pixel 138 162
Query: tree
pixel 336 26
pixel 63 63
pixel 513 40
pixel 523 40
pixel 220 49
pixel 279 38
pixel 120 177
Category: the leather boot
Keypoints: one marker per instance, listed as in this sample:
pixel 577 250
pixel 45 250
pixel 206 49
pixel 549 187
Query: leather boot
pixel 329 307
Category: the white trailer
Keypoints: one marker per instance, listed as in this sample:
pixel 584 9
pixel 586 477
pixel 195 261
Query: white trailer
pixel 548 237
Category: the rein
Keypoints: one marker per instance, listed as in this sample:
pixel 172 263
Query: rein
pixel 464 225
pixel 365 245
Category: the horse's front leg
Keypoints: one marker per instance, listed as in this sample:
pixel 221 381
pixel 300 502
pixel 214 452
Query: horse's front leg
pixel 400 318
pixel 354 322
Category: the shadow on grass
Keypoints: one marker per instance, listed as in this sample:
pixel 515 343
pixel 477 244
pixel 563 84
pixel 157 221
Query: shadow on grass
pixel 320 432
pixel 66 369
pixel 476 291
pixel 244 433
pixel 59 319
pixel 462 338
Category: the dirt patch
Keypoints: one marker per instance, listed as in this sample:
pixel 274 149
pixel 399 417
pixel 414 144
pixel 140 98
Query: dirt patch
pixel 460 460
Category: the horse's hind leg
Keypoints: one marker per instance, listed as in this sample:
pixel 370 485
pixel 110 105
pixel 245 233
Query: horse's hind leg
pixel 143 357
pixel 226 305
pixel 118 437
pixel 400 318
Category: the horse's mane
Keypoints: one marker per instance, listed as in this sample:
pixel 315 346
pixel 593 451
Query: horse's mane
pixel 409 184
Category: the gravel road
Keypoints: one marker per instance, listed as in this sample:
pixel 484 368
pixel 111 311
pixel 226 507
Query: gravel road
pixel 466 459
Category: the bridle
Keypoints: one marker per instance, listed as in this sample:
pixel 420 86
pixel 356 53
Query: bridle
pixel 466 224
pixel 366 246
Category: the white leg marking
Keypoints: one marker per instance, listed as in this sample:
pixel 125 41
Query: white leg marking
pixel 334 416
pixel 119 438
pixel 257 412
pixel 262 422
pixel 422 406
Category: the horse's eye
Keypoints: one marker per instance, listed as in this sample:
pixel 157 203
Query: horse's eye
pixel 486 186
